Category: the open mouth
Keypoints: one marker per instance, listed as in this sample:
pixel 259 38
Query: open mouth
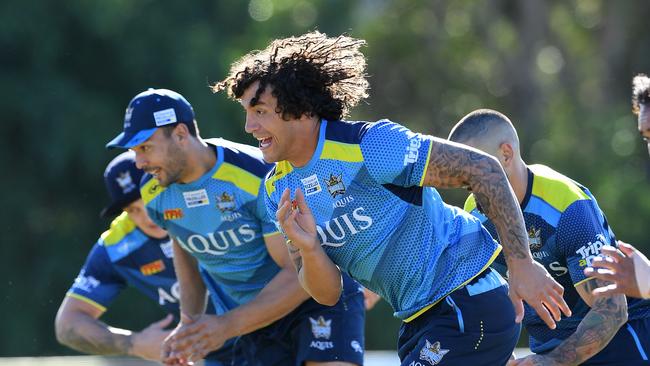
pixel 264 142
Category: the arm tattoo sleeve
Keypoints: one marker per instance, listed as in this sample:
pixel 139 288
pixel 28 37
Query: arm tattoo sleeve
pixel 453 166
pixel 98 340
pixel 594 332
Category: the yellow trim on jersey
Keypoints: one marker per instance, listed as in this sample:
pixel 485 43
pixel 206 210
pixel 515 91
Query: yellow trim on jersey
pixel 120 227
pixel 334 150
pixel 583 281
pixel 243 179
pixel 424 309
pixel 271 234
pixel 554 188
pixel 470 203
pixel 86 300
pixel 282 168
pixel 426 164
pixel 151 190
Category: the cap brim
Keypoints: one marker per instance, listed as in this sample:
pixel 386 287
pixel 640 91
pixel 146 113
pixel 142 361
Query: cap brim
pixel 111 211
pixel 129 140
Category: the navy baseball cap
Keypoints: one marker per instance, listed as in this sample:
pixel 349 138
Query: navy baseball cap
pixel 149 110
pixel 122 179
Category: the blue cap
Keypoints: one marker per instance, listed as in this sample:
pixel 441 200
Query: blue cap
pixel 122 179
pixel 149 110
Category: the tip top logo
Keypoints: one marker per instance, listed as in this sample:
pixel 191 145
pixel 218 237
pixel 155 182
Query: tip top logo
pixel 125 182
pixel 152 268
pixel 432 353
pixel 535 238
pixel 335 185
pixel 320 327
pixel 226 202
pixel 173 214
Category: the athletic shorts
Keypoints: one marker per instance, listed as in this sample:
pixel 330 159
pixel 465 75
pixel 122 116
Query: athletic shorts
pixel 312 332
pixel 474 325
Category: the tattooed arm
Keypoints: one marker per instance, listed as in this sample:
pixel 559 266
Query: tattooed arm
pixel 597 328
pixel 77 326
pixel 453 165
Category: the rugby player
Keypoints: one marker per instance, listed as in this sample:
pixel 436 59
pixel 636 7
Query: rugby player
pixel 133 252
pixel 206 193
pixel 566 231
pixel 627 268
pixel 358 198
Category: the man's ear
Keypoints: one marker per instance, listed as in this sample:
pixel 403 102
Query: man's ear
pixel 507 153
pixel 181 132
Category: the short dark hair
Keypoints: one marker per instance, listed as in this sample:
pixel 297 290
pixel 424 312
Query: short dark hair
pixel 192 127
pixel 312 74
pixel 476 123
pixel 640 92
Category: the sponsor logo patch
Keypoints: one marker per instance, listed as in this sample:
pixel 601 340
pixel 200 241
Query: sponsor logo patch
pixel 591 250
pixel 173 214
pixel 226 202
pixel 167 249
pixel 85 283
pixel 356 346
pixel 412 151
pixel 196 198
pixel 152 268
pixel 432 353
pixel 335 185
pixel 165 117
pixel 311 185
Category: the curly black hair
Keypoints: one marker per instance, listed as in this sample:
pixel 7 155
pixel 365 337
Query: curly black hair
pixel 640 92
pixel 311 74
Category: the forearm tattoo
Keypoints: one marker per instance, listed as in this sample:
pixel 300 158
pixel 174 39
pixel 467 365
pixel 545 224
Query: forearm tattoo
pixel 100 342
pixel 452 166
pixel 295 255
pixel 594 332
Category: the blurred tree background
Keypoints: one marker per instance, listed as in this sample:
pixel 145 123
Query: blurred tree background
pixel 560 69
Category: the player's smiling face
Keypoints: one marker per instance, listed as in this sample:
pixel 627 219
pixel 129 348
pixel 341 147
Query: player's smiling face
pixel 278 139
pixel 161 157
pixel 644 124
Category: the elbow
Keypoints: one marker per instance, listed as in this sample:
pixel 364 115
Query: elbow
pixel 329 300
pixel 60 330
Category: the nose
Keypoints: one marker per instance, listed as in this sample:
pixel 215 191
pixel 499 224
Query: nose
pixel 139 160
pixel 250 126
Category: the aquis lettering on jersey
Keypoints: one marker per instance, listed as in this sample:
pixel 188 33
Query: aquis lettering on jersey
pixel 334 232
pixel 217 243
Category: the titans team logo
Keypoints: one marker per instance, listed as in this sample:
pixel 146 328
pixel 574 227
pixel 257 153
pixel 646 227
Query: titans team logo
pixel 432 353
pixel 535 238
pixel 335 185
pixel 125 182
pixel 320 327
pixel 226 203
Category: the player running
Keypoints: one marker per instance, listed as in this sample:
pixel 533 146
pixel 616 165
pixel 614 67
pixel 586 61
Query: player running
pixel 133 252
pixel 566 231
pixel 358 198
pixel 206 193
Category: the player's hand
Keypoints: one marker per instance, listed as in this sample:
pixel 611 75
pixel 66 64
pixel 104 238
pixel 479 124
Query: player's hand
pixel 370 298
pixel 529 281
pixel 194 339
pixel 297 221
pixel 532 360
pixel 618 268
pixel 147 343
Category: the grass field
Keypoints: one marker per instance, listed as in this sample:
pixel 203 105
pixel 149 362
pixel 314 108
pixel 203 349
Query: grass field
pixel 373 358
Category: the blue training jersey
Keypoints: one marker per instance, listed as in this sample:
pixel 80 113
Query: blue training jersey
pixel 566 229
pixel 124 256
pixel 377 222
pixel 219 220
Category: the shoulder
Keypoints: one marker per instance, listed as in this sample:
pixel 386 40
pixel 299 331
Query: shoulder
pixel 470 203
pixel 120 228
pixel 150 188
pixel 243 166
pixel 275 175
pixel 556 189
